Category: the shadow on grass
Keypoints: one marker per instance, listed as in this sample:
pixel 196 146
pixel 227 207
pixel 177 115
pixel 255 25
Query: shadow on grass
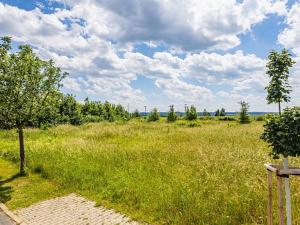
pixel 5 191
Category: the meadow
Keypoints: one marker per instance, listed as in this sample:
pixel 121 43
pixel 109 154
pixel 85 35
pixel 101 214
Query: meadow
pixel 204 172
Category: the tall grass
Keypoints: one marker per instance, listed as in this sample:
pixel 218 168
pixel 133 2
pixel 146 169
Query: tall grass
pixel 210 172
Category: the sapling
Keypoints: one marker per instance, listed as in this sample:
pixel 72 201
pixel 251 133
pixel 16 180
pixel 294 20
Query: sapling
pixel 244 115
pixel 171 114
pixel 278 91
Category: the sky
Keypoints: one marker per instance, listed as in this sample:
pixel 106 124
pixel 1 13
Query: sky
pixel 157 53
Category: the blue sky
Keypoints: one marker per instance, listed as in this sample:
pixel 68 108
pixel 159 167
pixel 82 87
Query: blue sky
pixel 207 53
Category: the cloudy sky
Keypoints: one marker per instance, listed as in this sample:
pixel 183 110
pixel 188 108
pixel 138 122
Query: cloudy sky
pixel 159 52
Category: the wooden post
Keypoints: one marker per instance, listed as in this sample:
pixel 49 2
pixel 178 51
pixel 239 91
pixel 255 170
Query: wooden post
pixel 270 217
pixel 287 193
pixel 280 201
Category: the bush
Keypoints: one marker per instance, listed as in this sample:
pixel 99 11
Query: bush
pixel 227 118
pixel 205 113
pixel 153 115
pixel 136 114
pixel 283 133
pixel 260 118
pixel 93 119
pixel 191 113
pixel 222 112
pixel 171 114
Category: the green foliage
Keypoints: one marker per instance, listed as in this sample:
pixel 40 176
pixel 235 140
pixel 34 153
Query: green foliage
pixel 191 113
pixel 171 114
pixel 153 115
pixel 260 118
pixel 136 114
pixel 243 115
pixel 227 118
pixel 29 87
pixel 69 110
pixel 222 112
pixel 205 113
pixel 278 70
pixel 283 133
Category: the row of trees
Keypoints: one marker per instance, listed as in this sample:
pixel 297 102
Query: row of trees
pixel 67 110
pixel 191 113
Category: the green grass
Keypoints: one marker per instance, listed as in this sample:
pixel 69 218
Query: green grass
pixel 21 191
pixel 204 172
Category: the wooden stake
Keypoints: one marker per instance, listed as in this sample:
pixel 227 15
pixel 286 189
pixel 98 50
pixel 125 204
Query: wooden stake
pixel 280 201
pixel 270 217
pixel 287 194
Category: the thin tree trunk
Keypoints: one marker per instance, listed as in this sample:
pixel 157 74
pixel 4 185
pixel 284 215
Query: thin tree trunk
pixel 279 108
pixel 22 150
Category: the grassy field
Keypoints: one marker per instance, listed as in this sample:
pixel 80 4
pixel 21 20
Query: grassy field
pixel 209 172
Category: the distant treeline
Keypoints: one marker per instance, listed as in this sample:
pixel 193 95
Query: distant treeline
pixel 69 111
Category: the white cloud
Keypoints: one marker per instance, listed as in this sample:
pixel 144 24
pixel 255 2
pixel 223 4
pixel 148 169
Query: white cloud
pixel 189 24
pixel 94 42
pixel 290 36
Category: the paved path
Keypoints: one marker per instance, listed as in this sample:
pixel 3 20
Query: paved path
pixel 5 220
pixel 70 210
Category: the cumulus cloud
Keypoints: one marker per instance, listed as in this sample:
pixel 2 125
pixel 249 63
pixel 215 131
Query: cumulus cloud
pixel 189 24
pixel 94 41
pixel 290 39
pixel 290 36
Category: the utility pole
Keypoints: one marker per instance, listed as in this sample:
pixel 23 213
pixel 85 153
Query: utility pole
pixel 145 110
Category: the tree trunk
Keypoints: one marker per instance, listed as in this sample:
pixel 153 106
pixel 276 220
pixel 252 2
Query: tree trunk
pixel 279 108
pixel 22 151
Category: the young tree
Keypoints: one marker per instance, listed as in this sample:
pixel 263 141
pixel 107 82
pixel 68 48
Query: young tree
pixel 217 113
pixel 28 85
pixel 136 114
pixel 278 91
pixel 243 115
pixel 171 114
pixel 69 110
pixel 191 113
pixel 222 112
pixel 205 113
pixel 278 71
pixel 153 115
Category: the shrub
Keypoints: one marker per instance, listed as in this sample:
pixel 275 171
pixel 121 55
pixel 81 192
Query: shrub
pixel 136 114
pixel 93 119
pixel 227 118
pixel 171 114
pixel 191 113
pixel 222 112
pixel 283 133
pixel 153 115
pixel 205 113
pixel 260 118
